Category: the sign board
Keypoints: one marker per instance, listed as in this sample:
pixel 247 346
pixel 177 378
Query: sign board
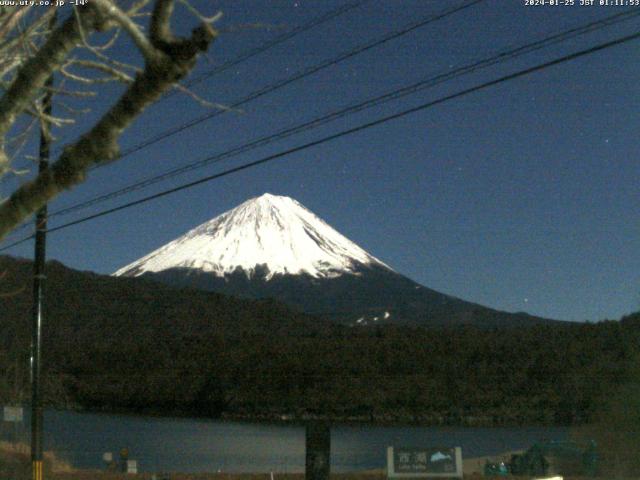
pixel 13 414
pixel 424 462
pixel 132 466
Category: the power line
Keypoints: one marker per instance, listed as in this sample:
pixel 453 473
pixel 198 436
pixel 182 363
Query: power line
pixel 17 242
pixel 299 76
pixel 266 46
pixel 365 126
pixel 378 100
pixel 276 41
pixel 296 77
pixel 424 106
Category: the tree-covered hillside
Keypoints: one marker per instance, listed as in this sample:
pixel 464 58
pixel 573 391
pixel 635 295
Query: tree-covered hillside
pixel 130 344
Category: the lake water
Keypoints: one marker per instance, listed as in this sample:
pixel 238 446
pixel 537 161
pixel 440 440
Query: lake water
pixel 200 445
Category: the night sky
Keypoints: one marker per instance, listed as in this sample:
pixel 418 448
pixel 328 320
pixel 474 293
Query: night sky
pixel 522 197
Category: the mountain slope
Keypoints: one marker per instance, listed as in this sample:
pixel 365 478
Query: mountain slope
pixel 273 247
pixel 373 296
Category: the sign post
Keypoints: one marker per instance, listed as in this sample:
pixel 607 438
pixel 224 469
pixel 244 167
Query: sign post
pixel 318 451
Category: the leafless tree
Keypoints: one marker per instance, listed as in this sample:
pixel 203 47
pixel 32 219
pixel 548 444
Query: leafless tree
pixel 32 48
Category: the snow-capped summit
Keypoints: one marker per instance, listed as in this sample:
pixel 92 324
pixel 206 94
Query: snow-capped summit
pixel 274 233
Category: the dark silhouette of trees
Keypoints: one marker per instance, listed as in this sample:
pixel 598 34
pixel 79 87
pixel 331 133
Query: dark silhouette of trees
pixel 134 345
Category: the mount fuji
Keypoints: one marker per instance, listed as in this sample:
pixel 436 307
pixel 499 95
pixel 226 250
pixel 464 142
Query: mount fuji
pixel 270 234
pixel 273 247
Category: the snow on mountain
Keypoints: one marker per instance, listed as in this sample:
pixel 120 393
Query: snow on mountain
pixel 272 231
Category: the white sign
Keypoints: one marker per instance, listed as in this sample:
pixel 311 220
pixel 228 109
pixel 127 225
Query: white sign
pixel 405 463
pixel 13 414
pixel 132 466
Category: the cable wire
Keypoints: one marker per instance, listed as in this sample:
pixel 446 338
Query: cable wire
pixel 350 131
pixel 274 42
pixel 264 47
pixel 378 100
pixel 298 76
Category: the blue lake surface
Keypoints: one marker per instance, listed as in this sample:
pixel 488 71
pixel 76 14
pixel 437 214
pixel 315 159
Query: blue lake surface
pixel 200 445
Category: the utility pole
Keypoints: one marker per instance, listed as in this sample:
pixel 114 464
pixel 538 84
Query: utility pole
pixel 318 450
pixel 39 278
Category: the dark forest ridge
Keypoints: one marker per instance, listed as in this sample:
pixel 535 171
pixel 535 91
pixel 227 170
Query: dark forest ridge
pixel 130 344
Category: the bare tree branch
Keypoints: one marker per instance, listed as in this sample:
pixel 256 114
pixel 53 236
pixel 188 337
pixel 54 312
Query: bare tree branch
pixel 204 102
pixel 32 76
pixel 119 77
pixel 109 43
pixel 12 18
pixel 136 7
pixel 70 109
pixel 199 16
pixel 142 42
pixel 160 30
pixel 70 93
pixel 173 58
pixel 102 67
pixel 49 119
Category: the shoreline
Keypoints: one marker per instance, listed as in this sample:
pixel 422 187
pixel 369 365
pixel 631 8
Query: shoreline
pixel 18 455
pixel 295 420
